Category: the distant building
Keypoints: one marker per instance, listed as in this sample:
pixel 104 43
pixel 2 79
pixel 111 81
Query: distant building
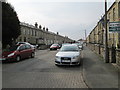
pixel 39 35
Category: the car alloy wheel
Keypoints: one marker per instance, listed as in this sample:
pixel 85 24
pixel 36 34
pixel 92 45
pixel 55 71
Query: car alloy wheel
pixel 18 58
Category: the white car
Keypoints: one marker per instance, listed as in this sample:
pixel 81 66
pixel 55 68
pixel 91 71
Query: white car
pixel 33 46
pixel 68 55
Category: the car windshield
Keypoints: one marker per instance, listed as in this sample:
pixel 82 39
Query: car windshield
pixel 69 48
pixel 65 44
pixel 13 48
pixel 76 43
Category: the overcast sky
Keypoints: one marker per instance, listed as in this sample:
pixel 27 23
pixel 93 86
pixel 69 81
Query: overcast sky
pixel 66 17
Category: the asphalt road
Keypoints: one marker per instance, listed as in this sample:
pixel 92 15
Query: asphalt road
pixel 41 72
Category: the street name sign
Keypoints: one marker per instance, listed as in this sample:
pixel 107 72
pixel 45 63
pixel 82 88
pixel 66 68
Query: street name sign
pixel 114 27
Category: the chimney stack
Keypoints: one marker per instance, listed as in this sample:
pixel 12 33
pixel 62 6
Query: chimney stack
pixel 47 29
pixel 43 28
pixel 40 26
pixel 36 25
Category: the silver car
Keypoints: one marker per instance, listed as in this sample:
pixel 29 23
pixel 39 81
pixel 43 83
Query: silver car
pixel 68 55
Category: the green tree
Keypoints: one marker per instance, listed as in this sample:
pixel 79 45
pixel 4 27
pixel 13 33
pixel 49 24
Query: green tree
pixel 10 24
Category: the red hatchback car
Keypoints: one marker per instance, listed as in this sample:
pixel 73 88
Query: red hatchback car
pixel 54 47
pixel 18 52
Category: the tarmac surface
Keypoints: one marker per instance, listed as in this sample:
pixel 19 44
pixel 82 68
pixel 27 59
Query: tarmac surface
pixel 41 72
pixel 97 73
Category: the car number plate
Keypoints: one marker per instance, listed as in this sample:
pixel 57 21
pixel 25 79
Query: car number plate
pixel 65 60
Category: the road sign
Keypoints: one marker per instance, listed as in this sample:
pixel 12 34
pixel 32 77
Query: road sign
pixel 114 27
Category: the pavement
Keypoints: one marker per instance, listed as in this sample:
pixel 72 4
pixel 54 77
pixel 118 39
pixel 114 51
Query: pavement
pixel 97 73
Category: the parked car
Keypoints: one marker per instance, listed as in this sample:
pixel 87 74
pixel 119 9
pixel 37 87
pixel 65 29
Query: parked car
pixel 65 44
pixel 54 47
pixel 33 46
pixel 79 45
pixel 68 55
pixel 18 52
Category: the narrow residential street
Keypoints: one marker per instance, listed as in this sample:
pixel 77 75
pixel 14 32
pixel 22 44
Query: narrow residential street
pixel 67 44
pixel 41 72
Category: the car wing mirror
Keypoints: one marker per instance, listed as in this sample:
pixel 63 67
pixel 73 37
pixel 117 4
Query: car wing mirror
pixel 80 49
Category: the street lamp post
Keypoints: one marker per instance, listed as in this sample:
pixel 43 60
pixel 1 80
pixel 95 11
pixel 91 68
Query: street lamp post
pixel 106 36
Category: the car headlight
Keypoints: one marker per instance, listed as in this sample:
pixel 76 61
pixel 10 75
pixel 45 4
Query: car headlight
pixel 75 57
pixel 11 54
pixel 57 57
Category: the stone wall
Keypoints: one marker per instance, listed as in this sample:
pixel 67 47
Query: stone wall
pixel 102 51
pixel 118 56
pixel 114 56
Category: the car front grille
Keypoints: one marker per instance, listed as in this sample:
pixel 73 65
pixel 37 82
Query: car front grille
pixel 65 58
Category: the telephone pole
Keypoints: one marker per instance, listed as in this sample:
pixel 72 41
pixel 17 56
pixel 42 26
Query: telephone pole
pixel 85 34
pixel 106 36
pixel 85 38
